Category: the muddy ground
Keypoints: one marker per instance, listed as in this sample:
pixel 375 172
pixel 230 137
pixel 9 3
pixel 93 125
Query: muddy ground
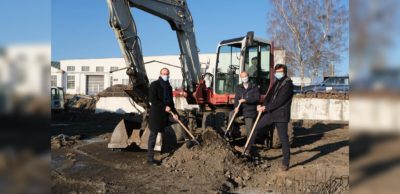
pixel 82 163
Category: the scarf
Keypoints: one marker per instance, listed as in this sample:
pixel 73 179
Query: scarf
pixel 167 91
pixel 249 86
pixel 279 85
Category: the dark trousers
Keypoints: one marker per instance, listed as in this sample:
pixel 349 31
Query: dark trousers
pixel 282 128
pixel 247 121
pixel 150 144
pixel 153 137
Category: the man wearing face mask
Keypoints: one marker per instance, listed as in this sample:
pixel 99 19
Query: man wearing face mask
pixel 247 93
pixel 276 111
pixel 161 99
pixel 252 69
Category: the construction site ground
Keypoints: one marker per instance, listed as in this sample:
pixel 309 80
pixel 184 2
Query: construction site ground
pixel 82 163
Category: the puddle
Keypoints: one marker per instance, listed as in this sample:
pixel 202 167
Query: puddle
pixel 94 140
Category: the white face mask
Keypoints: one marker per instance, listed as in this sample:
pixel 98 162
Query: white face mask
pixel 165 77
pixel 279 75
pixel 245 79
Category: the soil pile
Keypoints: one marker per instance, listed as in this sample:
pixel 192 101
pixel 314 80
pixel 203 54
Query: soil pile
pixel 215 160
pixel 81 102
pixel 64 140
pixel 117 90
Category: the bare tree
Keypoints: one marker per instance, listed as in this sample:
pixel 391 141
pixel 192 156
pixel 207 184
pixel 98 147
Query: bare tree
pixel 313 33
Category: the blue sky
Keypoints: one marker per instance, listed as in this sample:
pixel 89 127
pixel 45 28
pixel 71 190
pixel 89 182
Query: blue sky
pixel 26 21
pixel 83 31
pixel 79 28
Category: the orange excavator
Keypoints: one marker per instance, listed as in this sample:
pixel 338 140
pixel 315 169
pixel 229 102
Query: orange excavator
pixel 211 93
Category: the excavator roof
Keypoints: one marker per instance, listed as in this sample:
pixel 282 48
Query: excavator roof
pixel 239 39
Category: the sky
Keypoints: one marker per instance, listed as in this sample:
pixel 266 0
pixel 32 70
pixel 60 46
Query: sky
pixel 86 25
pixel 79 29
pixel 26 21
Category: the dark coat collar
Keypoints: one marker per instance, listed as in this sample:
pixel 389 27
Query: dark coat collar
pixel 251 85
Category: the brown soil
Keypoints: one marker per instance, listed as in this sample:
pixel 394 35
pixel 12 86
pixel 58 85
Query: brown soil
pixel 63 140
pixel 319 162
pixel 213 159
pixel 80 102
pixel 115 91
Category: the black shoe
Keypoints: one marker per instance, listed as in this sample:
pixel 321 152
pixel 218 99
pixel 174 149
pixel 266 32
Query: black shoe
pixel 189 144
pixel 153 162
pixel 228 136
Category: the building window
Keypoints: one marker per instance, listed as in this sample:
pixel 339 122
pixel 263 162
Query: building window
pixel 115 80
pixel 113 68
pixel 85 68
pixel 70 82
pixel 125 81
pixel 53 81
pixel 70 68
pixel 99 69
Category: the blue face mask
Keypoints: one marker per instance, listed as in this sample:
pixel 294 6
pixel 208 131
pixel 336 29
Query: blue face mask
pixel 245 79
pixel 279 75
pixel 165 77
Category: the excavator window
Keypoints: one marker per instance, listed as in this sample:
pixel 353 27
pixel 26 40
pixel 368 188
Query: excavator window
pixel 257 64
pixel 227 69
pixel 257 60
pixel 264 79
pixel 54 93
pixel 251 63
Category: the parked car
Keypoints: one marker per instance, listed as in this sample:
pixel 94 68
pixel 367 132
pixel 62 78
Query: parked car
pixel 330 84
pixel 297 89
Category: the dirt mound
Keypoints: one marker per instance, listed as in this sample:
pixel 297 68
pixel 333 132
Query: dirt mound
pixel 81 102
pixel 117 90
pixel 214 159
pixel 64 140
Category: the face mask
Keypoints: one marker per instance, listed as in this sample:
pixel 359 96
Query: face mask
pixel 245 79
pixel 279 75
pixel 165 77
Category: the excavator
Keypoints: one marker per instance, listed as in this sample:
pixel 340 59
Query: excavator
pixel 214 99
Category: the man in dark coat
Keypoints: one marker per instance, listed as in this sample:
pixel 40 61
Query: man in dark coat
pixel 247 93
pixel 276 111
pixel 161 99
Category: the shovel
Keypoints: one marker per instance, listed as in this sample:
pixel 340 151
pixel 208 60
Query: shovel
pixel 251 133
pixel 233 118
pixel 186 129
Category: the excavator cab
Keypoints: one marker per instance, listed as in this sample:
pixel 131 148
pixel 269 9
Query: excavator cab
pixel 57 99
pixel 251 54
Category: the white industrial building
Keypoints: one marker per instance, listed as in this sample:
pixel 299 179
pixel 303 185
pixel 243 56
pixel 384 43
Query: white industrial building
pixel 91 76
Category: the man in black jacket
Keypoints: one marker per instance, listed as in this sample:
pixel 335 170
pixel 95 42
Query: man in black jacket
pixel 247 93
pixel 161 99
pixel 276 110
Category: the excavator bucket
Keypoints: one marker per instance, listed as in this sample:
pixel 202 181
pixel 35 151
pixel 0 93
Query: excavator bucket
pixel 145 138
pixel 120 135
pixel 124 135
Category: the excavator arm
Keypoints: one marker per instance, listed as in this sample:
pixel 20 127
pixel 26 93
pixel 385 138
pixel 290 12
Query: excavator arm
pixel 177 14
